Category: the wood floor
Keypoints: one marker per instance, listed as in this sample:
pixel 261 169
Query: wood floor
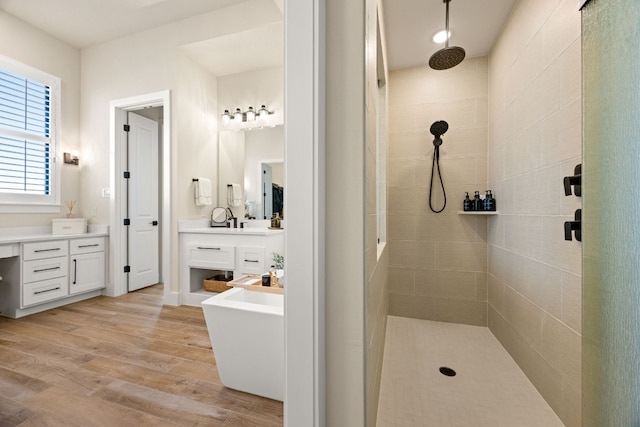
pixel 126 361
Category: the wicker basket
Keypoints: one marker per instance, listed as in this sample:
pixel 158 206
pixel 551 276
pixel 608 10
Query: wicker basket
pixel 217 283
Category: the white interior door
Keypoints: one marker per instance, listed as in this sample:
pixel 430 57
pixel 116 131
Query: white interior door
pixel 267 191
pixel 143 247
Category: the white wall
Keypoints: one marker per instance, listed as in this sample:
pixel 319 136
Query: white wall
pixel 148 62
pixel 28 45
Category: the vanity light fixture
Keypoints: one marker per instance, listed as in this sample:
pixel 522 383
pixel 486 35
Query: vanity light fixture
pixel 239 117
pixel 72 158
pixel 226 117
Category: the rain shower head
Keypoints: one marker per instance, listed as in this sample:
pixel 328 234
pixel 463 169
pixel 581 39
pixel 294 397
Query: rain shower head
pixel 447 57
pixel 438 129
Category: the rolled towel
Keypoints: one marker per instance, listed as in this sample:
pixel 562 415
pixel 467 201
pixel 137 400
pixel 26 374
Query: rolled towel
pixel 203 192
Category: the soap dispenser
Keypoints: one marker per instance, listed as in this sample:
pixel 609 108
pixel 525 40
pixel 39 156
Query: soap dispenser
pixel 477 202
pixel 466 204
pixel 489 202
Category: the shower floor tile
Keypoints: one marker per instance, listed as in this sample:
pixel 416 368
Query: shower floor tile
pixel 489 388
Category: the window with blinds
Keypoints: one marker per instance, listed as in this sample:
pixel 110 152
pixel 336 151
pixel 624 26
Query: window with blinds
pixel 27 143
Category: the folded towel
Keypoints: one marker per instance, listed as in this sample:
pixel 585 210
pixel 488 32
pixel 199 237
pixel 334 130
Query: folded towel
pixel 203 192
pixel 234 195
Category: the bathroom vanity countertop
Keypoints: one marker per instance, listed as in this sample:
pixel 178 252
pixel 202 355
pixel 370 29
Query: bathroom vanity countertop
pixel 202 227
pixel 34 234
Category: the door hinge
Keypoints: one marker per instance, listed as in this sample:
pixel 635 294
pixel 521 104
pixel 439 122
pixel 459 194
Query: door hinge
pixel 127 128
pixel 127 221
pixel 127 269
pixel 127 175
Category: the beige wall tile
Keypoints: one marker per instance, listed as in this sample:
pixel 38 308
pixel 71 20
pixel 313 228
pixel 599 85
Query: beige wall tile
pixel 459 311
pixel 402 280
pixel 409 145
pixel 441 284
pixel 416 307
pixel 482 286
pixel 561 348
pixel 524 317
pixel 572 301
pixel 461 256
pixel 496 293
pixel 412 254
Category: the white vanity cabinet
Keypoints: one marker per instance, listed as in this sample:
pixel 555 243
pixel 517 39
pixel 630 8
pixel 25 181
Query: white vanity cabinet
pixel 206 252
pixel 44 271
pixel 86 265
pixel 41 271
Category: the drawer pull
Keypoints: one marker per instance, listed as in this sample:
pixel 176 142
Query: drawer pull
pixel 47 250
pixel 46 269
pixel 47 290
pixel 209 249
pixel 89 246
pixel 251 260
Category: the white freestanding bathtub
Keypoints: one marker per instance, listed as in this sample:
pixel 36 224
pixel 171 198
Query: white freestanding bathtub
pixel 246 329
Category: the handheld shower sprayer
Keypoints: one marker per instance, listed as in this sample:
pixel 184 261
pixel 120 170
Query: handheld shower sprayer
pixel 437 129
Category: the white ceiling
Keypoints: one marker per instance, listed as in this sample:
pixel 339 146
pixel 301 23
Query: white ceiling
pixel 83 23
pixel 410 24
pixel 258 48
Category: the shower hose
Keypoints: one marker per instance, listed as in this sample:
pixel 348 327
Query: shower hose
pixel 436 164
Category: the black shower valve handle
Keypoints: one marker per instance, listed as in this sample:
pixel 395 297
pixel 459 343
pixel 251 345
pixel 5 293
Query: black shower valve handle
pixel 575 180
pixel 570 181
pixel 575 226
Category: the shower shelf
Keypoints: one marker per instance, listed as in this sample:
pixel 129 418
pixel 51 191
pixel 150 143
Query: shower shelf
pixel 485 213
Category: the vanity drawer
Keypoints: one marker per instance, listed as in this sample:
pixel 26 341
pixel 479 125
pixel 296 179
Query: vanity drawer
pixel 42 269
pixel 43 291
pixel 83 246
pixel 42 250
pixel 212 256
pixel 250 260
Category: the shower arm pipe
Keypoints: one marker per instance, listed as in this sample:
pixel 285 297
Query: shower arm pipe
pixel 446 24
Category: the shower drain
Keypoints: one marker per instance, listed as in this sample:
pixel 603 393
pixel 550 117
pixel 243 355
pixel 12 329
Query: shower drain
pixel 447 371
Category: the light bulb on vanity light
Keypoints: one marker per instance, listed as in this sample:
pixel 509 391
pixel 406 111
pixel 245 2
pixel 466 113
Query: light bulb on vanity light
pixel 237 115
pixel 226 117
pixel 251 115
pixel 263 113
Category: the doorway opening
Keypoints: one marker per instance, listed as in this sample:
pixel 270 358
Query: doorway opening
pixel 120 247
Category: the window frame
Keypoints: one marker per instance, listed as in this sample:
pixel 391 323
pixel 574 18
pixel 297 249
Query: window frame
pixel 33 203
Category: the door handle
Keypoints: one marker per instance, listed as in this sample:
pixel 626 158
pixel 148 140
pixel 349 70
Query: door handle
pixel 154 223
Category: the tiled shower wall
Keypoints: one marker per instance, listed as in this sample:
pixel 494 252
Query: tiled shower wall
pixel 535 140
pixel 437 262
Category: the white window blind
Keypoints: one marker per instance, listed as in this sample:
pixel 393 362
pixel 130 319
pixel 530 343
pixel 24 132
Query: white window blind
pixel 28 112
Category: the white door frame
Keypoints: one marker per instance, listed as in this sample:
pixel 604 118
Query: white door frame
pixel 117 202
pixel 304 402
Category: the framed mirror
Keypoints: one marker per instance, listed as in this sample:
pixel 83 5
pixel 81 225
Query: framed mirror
pixel 254 158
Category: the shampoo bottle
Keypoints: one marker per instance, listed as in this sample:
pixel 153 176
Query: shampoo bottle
pixel 466 204
pixel 477 202
pixel 489 202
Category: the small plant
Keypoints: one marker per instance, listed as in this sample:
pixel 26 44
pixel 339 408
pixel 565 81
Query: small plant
pixel 278 261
